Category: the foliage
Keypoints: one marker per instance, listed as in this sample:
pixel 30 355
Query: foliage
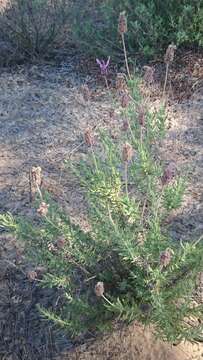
pixel 139 271
pixel 152 24
pixel 34 26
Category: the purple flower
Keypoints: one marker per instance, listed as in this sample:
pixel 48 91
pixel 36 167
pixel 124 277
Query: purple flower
pixel 103 65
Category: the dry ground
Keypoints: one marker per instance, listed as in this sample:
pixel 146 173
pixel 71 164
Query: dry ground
pixel 42 119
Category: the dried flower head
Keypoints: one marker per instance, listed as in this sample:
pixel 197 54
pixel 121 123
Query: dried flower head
pixel 125 100
pixel 165 258
pixel 141 115
pixel 52 248
pixel 43 209
pixel 127 152
pixel 197 70
pixel 120 82
pixel 31 275
pixel 99 289
pixel 36 173
pixel 114 134
pixel 148 74
pixel 35 181
pixel 145 308
pixel 40 270
pixel 125 125
pixel 60 243
pixel 89 137
pixel 111 114
pixel 86 92
pixel 170 53
pixel 168 174
pixel 122 23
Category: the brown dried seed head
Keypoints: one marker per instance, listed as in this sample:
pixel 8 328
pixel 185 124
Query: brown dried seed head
pixel 122 23
pixel 170 53
pixel 51 247
pixel 145 308
pixel 36 173
pixel 89 137
pixel 125 125
pixel 165 258
pixel 60 243
pixel 148 74
pixel 99 289
pixel 86 92
pixel 111 113
pixel 125 100
pixel 32 275
pixel 127 152
pixel 43 209
pixel 141 115
pixel 168 174
pixel 120 82
pixel 40 270
pixel 114 134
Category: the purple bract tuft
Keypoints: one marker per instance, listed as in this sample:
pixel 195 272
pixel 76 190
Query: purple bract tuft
pixel 103 65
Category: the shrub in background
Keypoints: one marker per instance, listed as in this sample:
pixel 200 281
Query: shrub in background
pixel 152 25
pixel 126 266
pixel 33 27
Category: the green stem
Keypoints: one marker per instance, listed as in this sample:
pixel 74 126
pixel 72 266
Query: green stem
pixel 94 159
pixel 51 223
pixel 107 300
pixel 126 178
pixel 39 192
pixel 141 134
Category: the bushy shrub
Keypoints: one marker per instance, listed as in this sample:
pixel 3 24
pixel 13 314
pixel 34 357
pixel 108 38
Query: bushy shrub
pixel 152 25
pixel 126 266
pixel 34 26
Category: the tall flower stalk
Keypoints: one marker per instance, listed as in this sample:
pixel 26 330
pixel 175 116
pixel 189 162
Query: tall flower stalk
pixel 90 142
pixel 127 156
pixel 122 29
pixel 168 59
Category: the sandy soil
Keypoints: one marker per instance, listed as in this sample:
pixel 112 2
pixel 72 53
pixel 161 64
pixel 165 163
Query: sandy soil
pixel 42 119
pixel 134 343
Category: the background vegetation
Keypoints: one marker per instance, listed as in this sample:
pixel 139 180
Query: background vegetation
pixel 35 26
pixel 152 25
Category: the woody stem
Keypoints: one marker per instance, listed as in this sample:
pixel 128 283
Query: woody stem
pixel 166 79
pixel 106 82
pixel 125 54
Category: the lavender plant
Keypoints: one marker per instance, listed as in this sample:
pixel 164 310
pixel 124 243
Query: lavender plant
pixel 126 266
